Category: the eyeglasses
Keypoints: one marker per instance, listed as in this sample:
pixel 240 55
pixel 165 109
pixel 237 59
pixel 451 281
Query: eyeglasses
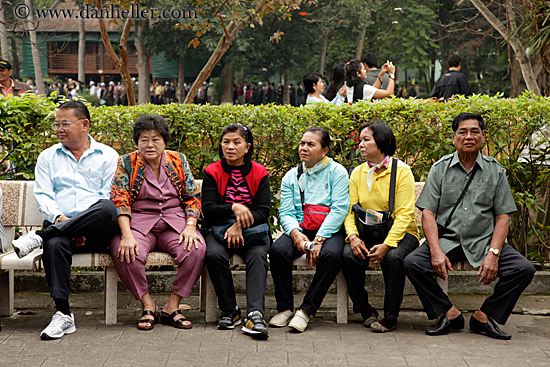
pixel 63 124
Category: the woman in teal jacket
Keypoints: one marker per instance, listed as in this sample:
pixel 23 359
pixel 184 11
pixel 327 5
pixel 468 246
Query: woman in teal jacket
pixel 325 185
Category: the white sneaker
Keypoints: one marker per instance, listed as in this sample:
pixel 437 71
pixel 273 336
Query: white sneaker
pixel 281 319
pixel 25 244
pixel 299 321
pixel 60 325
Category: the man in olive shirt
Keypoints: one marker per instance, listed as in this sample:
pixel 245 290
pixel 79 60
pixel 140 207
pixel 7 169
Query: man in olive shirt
pixel 477 233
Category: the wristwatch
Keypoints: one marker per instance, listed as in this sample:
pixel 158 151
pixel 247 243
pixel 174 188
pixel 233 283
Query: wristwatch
pixel 495 251
pixel 392 76
pixel 319 239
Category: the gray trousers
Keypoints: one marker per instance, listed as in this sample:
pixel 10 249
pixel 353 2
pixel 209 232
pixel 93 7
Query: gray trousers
pixel 514 274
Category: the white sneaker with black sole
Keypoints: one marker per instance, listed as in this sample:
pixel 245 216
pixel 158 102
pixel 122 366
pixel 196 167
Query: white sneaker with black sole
pixel 25 244
pixel 60 325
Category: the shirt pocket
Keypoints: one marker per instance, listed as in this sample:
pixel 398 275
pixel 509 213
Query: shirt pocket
pixel 450 195
pixel 483 194
pixel 94 180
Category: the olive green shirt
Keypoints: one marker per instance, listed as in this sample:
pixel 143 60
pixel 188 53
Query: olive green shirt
pixel 473 222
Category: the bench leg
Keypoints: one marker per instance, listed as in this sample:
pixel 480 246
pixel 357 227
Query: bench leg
pixel 210 299
pixel 111 295
pixel 444 284
pixel 202 290
pixel 6 293
pixel 341 299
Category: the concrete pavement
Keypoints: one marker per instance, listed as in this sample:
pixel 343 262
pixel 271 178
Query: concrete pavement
pixel 324 343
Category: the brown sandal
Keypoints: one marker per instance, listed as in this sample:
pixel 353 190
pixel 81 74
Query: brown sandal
pixel 150 322
pixel 181 323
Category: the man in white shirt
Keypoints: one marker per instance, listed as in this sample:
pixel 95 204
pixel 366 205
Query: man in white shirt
pixel 72 190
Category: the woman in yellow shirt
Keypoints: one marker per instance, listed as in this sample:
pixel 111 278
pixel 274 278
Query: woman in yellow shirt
pixel 369 186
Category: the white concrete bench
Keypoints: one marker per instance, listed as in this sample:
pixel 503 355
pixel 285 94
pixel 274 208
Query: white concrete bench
pixel 20 210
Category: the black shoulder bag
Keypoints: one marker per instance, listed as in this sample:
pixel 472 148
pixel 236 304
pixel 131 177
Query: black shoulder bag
pixel 441 230
pixel 374 234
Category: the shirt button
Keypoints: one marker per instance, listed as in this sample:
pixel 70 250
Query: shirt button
pixel 466 192
pixel 160 204
pixel 465 208
pixel 160 214
pixel 463 224
pixel 160 196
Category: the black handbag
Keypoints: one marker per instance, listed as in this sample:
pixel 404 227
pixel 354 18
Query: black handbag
pixel 442 229
pixel 374 234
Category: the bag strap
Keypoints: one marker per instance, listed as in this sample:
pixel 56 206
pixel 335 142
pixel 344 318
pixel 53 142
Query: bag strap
pixel 300 173
pixel 393 179
pixel 448 221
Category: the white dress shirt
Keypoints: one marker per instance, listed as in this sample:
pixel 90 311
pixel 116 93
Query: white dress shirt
pixel 65 186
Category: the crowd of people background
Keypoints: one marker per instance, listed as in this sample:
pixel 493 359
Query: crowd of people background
pixel 113 93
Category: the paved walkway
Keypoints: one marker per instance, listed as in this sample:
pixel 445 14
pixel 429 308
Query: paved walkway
pixel 324 343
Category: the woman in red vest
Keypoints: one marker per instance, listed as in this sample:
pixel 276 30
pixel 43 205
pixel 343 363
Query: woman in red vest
pixel 236 203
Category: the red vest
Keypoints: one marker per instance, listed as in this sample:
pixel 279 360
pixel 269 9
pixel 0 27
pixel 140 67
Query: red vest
pixel 257 172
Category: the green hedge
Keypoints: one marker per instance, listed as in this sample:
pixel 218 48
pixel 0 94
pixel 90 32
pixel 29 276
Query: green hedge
pixel 422 129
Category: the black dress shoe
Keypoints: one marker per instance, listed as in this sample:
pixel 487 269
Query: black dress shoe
pixel 488 328
pixel 444 325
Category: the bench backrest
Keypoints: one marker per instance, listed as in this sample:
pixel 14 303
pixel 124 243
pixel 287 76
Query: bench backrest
pixel 20 207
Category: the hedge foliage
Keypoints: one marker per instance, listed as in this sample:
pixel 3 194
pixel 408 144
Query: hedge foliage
pixel 517 135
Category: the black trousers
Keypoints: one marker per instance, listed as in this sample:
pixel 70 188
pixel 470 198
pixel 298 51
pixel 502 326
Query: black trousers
pixel 514 274
pixel 283 253
pixel 392 270
pixel 255 257
pixel 97 223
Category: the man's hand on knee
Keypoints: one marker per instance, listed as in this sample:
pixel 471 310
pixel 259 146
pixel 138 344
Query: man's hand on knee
pixel 80 240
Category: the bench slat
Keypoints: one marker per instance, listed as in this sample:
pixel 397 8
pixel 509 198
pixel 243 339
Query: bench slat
pixel 10 261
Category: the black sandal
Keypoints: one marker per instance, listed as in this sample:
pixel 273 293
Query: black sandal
pixel 180 323
pixel 150 322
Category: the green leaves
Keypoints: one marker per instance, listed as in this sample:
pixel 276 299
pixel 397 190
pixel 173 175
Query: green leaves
pixel 517 135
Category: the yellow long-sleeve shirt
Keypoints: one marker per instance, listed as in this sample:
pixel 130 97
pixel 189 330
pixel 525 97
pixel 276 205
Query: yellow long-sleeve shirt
pixel 377 199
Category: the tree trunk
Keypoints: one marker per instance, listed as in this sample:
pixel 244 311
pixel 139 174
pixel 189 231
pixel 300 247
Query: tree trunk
pixel 221 49
pixel 545 57
pixel 38 78
pixel 227 83
pixel 14 58
pixel 513 39
pixel 81 50
pixel 286 90
pixel 180 93
pixel 240 75
pixel 121 63
pixel 4 48
pixel 323 56
pixel 144 73
pixel 360 43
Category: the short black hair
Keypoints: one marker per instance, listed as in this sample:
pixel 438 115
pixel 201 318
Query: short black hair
pixel 80 109
pixel 454 60
pixel 468 116
pixel 370 60
pixel 243 131
pixel 151 122
pixel 383 136
pixel 311 79
pixel 323 134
